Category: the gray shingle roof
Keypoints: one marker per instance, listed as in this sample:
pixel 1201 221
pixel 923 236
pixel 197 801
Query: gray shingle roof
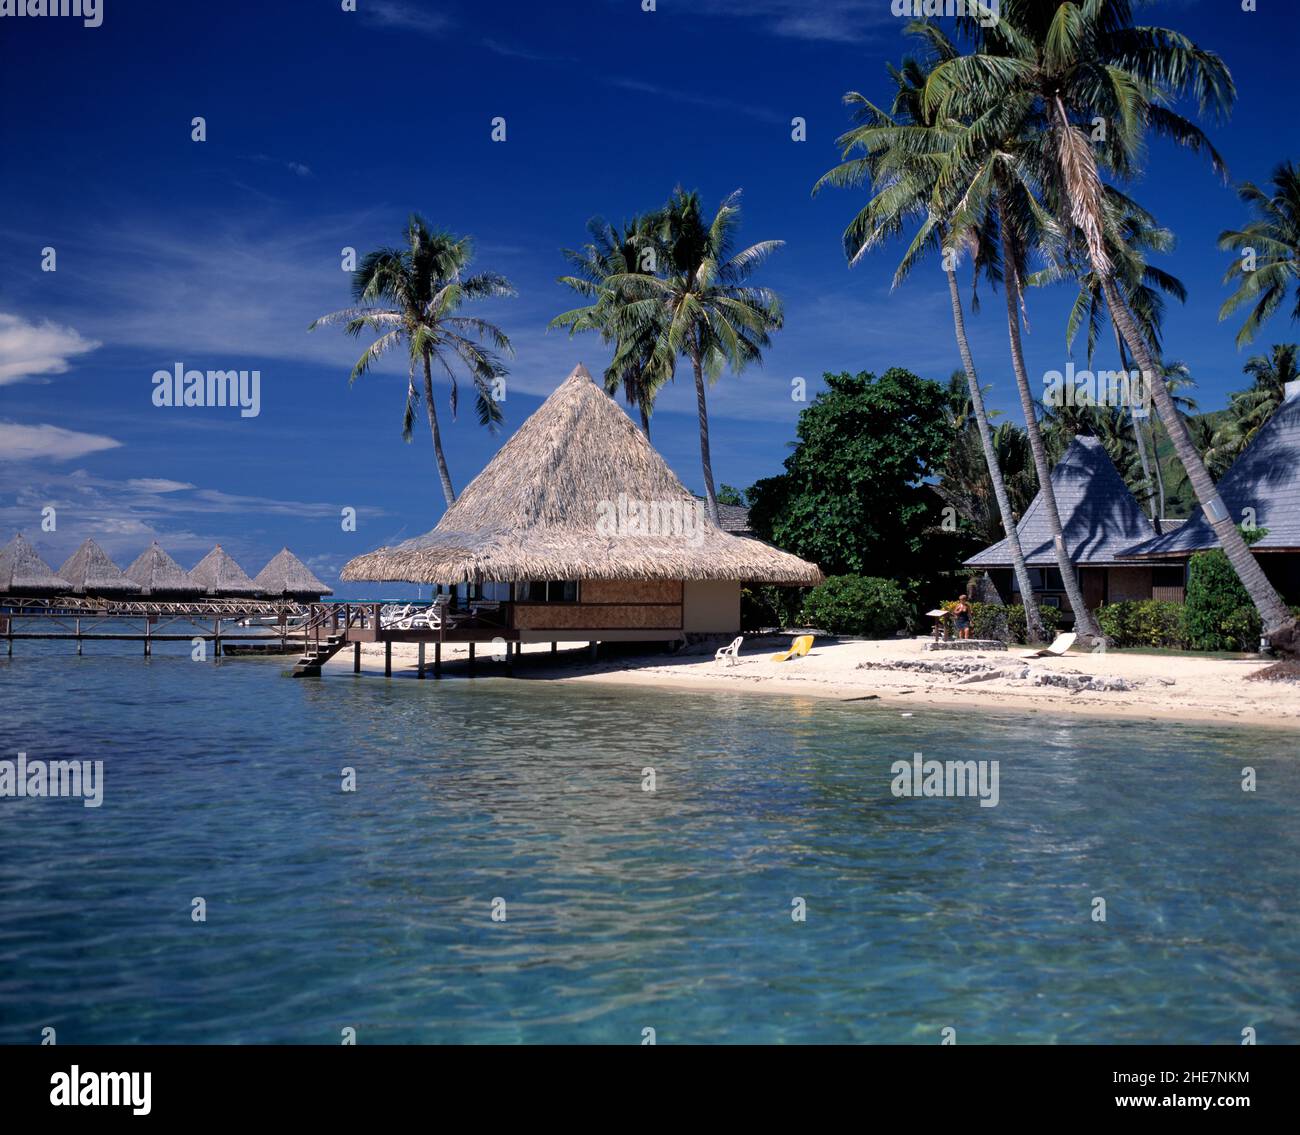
pixel 90 571
pixel 286 574
pixel 21 569
pixel 1099 515
pixel 218 574
pixel 1266 477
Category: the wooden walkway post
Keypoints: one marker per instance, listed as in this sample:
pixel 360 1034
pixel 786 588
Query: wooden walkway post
pixel 388 658
pixel 437 659
pixel 419 666
pixel 356 658
pixel 78 638
pixel 471 658
pixel 148 630
pixel 216 631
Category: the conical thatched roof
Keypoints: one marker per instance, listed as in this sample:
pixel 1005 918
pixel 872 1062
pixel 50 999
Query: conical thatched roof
pixel 218 574
pixel 22 570
pixel 286 574
pixel 1265 479
pixel 91 572
pixel 546 503
pixel 1100 517
pixel 158 574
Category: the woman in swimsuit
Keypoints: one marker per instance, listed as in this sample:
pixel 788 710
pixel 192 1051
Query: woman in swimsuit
pixel 961 617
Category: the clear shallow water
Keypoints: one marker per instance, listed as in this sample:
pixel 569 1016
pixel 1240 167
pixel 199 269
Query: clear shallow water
pixel 625 910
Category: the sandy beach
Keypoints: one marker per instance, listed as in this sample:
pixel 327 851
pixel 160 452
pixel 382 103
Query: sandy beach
pixel 901 672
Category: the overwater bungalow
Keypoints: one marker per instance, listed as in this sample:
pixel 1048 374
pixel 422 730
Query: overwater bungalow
pixel 218 575
pixel 287 577
pixel 1102 521
pixel 1260 490
pixel 161 577
pixel 90 571
pixel 578 530
pixel 23 572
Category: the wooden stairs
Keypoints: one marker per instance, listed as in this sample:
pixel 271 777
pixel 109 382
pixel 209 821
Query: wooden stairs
pixel 317 655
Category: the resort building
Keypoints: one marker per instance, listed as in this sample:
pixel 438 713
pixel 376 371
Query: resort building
pixel 217 574
pixel 1261 490
pixel 287 577
pixel 90 572
pixel 23 572
pixel 577 530
pixel 160 576
pixel 1102 522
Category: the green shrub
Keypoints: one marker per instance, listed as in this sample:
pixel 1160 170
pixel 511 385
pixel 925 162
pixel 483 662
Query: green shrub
pixel 1146 622
pixel 768 606
pixel 1220 615
pixel 858 605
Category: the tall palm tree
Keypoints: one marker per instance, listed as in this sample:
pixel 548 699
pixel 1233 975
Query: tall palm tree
pixel 1274 238
pixel 410 296
pixel 609 255
pixel 701 303
pixel 1131 234
pixel 901 155
pixel 1043 75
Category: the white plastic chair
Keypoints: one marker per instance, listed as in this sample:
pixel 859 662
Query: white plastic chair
pixel 730 652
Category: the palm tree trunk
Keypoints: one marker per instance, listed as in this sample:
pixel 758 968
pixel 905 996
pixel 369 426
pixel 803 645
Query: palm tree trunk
pixel 706 461
pixel 1137 434
pixel 1279 624
pixel 1084 623
pixel 1033 620
pixel 443 474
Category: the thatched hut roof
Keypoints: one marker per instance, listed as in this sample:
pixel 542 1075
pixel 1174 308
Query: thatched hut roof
pixel 158 574
pixel 91 572
pixel 286 574
pixel 218 574
pixel 22 570
pixel 1100 517
pixel 554 504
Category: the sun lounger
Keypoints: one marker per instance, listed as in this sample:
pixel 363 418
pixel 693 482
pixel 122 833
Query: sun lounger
pixel 1056 650
pixel 730 652
pixel 798 648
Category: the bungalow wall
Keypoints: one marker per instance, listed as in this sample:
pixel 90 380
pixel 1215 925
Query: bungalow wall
pixel 631 610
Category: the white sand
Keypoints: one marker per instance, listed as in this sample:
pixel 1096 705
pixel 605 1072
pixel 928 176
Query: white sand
pixel 1167 687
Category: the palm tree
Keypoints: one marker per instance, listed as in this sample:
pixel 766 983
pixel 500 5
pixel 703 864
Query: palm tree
pixel 1131 235
pixel 409 296
pixel 1253 407
pixel 902 155
pixel 610 255
pixel 700 302
pixel 1043 75
pixel 1274 240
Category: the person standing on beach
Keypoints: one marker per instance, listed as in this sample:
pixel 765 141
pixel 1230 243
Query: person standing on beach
pixel 961 617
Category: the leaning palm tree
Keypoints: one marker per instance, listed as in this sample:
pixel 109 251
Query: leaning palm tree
pixel 1270 267
pixel 701 304
pixel 409 297
pixel 1043 76
pixel 901 153
pixel 611 254
pixel 1131 234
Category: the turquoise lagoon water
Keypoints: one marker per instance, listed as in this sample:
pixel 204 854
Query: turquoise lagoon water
pixel 624 910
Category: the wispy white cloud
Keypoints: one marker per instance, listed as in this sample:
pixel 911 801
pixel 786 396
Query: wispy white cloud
pixel 835 21
pixel 48 443
pixel 402 16
pixel 730 106
pixel 29 349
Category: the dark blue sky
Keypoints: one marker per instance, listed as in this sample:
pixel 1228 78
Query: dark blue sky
pixel 325 128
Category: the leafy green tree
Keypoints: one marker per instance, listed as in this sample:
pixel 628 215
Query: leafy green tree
pixel 853 496
pixel 410 297
pixel 1250 409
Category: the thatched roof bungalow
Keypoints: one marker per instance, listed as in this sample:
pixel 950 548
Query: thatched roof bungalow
pixel 90 572
pixel 1102 520
pixel 1262 487
pixel 23 572
pixel 160 576
pixel 581 529
pixel 218 575
pixel 286 576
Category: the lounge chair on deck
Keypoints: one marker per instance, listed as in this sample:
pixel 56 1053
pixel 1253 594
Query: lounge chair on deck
pixel 1056 650
pixel 730 652
pixel 798 648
